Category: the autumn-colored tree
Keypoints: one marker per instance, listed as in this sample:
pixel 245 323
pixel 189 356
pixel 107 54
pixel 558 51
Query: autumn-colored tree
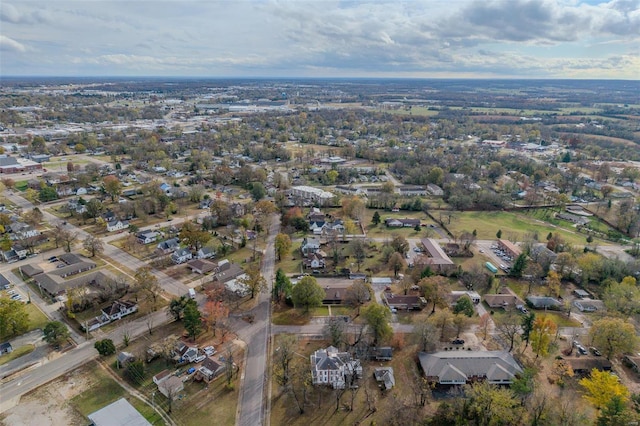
pixel 112 186
pixel 396 263
pixel 560 370
pixel 254 281
pixel 553 282
pixel 443 321
pixel 601 386
pixel 544 328
pixel 613 336
pixel 93 245
pixel 377 318
pixel 282 245
pixel 214 312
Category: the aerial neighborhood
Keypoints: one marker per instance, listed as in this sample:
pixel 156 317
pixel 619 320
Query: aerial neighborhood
pixel 399 254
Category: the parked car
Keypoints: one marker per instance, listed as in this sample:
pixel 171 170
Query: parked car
pixel 53 258
pixel 16 297
pixel 200 358
pixel 7 286
pixel 209 350
pixel 595 351
pixel 11 292
pixel 458 342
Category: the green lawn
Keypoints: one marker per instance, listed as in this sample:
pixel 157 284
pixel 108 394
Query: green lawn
pixel 37 318
pixel 513 225
pixel 17 353
pixel 103 391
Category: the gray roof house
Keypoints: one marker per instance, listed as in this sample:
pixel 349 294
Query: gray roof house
pixel 119 413
pixel 330 367
pixel 460 367
pixel 543 302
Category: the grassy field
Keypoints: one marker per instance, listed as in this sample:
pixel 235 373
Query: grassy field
pixel 513 225
pixel 17 353
pixel 37 319
pixel 103 391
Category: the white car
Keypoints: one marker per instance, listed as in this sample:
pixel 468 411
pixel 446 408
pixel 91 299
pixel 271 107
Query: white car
pixel 11 292
pixel 209 350
pixel 200 358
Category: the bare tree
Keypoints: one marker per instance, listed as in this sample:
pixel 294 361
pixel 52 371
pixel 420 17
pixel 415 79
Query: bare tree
pixel 149 322
pixel 301 384
pixel 93 245
pixel 508 328
pixel 426 335
pixel 335 331
pixel 282 359
pixel 357 294
pixel 65 237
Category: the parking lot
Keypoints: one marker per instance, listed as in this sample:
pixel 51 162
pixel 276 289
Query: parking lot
pixel 496 256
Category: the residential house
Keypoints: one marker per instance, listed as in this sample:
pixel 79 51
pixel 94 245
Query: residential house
pixel 231 275
pixel 171 387
pixel 384 376
pixel 401 302
pixel 589 305
pixel 5 348
pixel 314 261
pixel 161 376
pixel 543 302
pixel 581 294
pixel 310 245
pixel 21 231
pixel 168 246
pixel 186 353
pixel 4 282
pixel 124 358
pixel 181 255
pixel 383 353
pixel 119 309
pixel 210 369
pixel 205 253
pixel 401 223
pixel 166 188
pixel 147 237
pixel 455 295
pixel 505 298
pixel 117 225
pixel 201 266
pixel 584 365
pixel 317 227
pixel 331 367
pixel 435 190
pixel 206 203
pixel 460 367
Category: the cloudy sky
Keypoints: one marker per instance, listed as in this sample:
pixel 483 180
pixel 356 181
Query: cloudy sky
pixel 322 38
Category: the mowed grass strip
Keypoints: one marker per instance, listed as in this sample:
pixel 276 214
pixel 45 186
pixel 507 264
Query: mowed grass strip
pixel 511 224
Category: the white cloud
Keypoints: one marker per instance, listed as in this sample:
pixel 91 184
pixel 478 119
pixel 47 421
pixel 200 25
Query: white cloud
pixel 9 44
pixel 279 37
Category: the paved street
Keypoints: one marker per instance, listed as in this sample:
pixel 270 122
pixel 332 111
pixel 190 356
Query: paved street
pixel 252 397
pixel 30 379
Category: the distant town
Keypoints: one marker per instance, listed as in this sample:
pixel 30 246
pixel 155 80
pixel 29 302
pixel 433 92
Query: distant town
pixel 319 252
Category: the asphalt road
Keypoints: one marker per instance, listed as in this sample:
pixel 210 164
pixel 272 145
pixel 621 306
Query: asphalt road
pixel 252 398
pixel 30 379
pixel 168 284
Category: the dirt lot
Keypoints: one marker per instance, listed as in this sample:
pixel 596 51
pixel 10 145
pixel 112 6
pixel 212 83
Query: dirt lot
pixel 51 404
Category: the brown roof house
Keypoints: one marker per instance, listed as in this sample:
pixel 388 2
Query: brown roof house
pixel 210 369
pixel 505 299
pixel 402 302
pixel 435 257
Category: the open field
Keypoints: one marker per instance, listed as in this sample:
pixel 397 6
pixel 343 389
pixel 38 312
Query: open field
pixel 513 225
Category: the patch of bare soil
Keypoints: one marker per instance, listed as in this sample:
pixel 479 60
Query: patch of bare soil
pixel 49 404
